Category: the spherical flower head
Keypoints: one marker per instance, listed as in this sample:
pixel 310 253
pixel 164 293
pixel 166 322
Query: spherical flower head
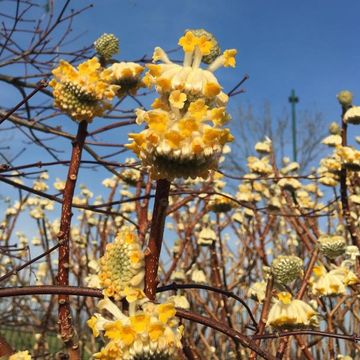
pixel 20 355
pixel 206 36
pixel 107 45
pixel 332 246
pixel 148 332
pixel 345 98
pixel 180 141
pixel 352 116
pixel 82 93
pixel 127 75
pixel 288 314
pixel 122 267
pixel 334 128
pixel 286 269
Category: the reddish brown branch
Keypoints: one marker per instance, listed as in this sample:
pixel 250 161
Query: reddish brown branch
pixel 153 250
pixel 65 326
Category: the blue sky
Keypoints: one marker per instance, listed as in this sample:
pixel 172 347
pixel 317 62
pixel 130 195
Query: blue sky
pixel 309 45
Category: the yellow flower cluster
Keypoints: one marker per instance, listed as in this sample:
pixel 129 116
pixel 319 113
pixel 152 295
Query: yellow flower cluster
pixel 329 171
pixel 127 75
pixel 20 355
pixel 184 135
pixel 122 267
pixel 288 313
pixel 349 156
pixel 260 166
pixel 333 282
pixel 152 332
pixel 82 93
pixel 221 204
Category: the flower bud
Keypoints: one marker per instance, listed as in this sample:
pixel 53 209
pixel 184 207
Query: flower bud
pixel 331 246
pixel 107 45
pixel 345 98
pixel 286 268
pixel 334 128
pixel 215 51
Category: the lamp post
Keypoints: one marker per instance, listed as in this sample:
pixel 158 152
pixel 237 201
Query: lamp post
pixel 293 99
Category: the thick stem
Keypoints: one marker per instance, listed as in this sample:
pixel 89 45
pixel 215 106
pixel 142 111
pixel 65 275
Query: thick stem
pixel 343 188
pixel 64 315
pixel 153 250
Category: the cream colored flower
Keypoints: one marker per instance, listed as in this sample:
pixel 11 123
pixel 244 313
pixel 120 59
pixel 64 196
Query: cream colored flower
pixel 198 276
pixel 287 313
pixel 257 291
pixel 332 283
pixel 127 75
pixel 332 140
pixel 206 237
pixel 349 156
pixel 150 332
pixel 352 116
pixel 264 147
pixel 184 136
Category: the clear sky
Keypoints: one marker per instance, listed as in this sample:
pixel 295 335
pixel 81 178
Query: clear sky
pixel 309 45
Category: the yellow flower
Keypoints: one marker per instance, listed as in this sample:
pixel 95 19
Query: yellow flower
pixel 179 143
pixel 140 322
pixel 150 331
pixel 288 313
pixel 332 283
pixel 177 99
pixel 82 93
pixel 20 355
pixel 166 311
pixel 190 78
pixel 188 41
pixel 229 57
pixel 221 204
pixel 348 156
